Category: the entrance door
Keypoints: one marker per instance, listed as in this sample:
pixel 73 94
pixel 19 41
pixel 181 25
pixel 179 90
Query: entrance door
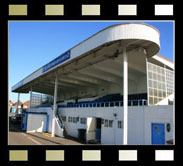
pixel 90 129
pixel 98 129
pixel 158 133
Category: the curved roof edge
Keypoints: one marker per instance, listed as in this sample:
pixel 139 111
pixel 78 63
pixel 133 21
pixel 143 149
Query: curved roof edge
pixel 116 32
pixel 115 26
pixel 164 60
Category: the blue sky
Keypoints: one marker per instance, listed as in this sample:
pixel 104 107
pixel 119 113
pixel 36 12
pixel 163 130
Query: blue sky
pixel 34 43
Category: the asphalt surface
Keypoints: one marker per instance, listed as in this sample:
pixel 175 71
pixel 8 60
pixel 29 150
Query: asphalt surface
pixel 17 137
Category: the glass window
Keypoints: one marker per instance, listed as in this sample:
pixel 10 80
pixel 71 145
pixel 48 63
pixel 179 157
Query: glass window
pixel 106 123
pixel 163 78
pixel 63 118
pixel 164 94
pixel 155 100
pixel 154 68
pixel 155 92
pixel 149 67
pixel 159 77
pixel 83 120
pixel 159 85
pixel 163 71
pixel 151 100
pixel 150 92
pixel 154 76
pixel 120 124
pixel 158 70
pixel 150 84
pixel 163 86
pixel 110 123
pixel 160 93
pixel 150 75
pixel 155 84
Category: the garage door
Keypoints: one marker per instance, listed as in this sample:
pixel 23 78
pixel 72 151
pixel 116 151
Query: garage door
pixel 36 122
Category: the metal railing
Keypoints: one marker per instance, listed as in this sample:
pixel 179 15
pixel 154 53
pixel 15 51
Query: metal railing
pixel 59 119
pixel 59 122
pixel 140 102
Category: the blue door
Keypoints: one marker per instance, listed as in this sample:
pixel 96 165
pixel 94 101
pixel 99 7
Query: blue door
pixel 47 123
pixel 158 133
pixel 98 134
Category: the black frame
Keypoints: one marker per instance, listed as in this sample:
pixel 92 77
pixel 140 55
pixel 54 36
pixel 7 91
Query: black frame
pixel 72 11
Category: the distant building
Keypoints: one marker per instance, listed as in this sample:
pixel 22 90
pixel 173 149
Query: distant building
pixel 26 104
pixel 10 105
pixel 17 106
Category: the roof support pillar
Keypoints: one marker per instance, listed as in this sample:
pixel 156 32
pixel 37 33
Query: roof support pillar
pixel 54 106
pixel 18 104
pixel 125 97
pixel 31 97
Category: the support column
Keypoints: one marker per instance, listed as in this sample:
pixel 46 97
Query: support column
pixel 31 97
pixel 54 106
pixel 17 111
pixel 125 97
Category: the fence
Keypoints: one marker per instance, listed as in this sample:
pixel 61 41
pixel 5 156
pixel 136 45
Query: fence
pixel 141 102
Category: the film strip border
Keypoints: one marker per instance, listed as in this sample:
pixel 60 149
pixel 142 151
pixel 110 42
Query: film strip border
pixel 69 155
pixel 90 10
pixel 90 155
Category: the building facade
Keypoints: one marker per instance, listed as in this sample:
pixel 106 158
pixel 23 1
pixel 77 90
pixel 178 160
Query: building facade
pixel 113 87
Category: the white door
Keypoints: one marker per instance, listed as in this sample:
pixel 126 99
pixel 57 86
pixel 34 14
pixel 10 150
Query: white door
pixel 36 123
pixel 91 129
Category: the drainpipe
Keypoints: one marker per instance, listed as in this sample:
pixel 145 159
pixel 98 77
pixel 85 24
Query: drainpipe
pixel 54 106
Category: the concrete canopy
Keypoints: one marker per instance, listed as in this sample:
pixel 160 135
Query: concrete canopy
pixel 96 63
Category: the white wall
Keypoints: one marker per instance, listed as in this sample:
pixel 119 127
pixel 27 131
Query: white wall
pixel 158 114
pixel 139 122
pixel 140 119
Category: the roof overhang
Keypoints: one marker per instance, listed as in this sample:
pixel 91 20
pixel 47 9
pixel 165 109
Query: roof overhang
pixel 163 61
pixel 97 61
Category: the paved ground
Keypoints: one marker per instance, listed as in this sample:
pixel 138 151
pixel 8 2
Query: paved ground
pixel 18 137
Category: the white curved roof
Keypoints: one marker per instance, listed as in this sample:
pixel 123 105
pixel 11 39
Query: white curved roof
pixel 101 45
pixel 124 32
